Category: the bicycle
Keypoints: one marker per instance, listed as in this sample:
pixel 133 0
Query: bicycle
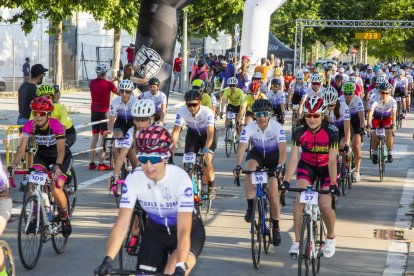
pixel 295 116
pixel 8 258
pixel 345 168
pixel 382 151
pixel 400 114
pixel 194 165
pixel 232 138
pixel 39 221
pixel 313 233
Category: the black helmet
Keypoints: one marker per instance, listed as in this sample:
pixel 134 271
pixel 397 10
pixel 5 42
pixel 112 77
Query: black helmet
pixel 339 77
pixel 193 94
pixel 262 105
pixel 154 81
pixel 385 87
pixel 201 62
pixel 276 81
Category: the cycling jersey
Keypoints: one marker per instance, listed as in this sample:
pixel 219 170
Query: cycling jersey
pixel 265 142
pixel 309 92
pixel 316 146
pixel 277 99
pixel 248 98
pixel 373 94
pixel 122 110
pixel 233 98
pixel 206 101
pixel 197 123
pixel 383 110
pixel 162 200
pixel 60 113
pixel 159 99
pixel 128 139
pixel 400 86
pixel 298 89
pixel 339 122
pixel 101 94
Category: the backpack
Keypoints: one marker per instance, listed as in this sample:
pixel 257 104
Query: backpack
pixel 198 73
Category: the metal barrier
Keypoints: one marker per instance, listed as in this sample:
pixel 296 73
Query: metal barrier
pixel 12 142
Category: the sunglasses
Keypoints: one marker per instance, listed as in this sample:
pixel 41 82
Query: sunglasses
pixel 232 85
pixel 316 83
pixel 348 94
pixel 262 114
pixel 143 119
pixel 384 92
pixel 192 104
pixel 125 92
pixel 39 113
pixel 315 115
pixel 153 159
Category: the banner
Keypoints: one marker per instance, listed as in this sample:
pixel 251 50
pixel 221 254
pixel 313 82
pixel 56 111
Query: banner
pixel 155 40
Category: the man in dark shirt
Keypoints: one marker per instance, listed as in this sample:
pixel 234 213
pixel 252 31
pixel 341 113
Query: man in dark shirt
pixel 27 92
pixel 26 69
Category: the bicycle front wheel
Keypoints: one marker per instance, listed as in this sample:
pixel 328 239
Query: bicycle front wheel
pixel 305 260
pixel 8 258
pixel 381 163
pixel 267 236
pixel 71 187
pixel 256 232
pixel 205 203
pixel 30 233
pixel 320 241
pixel 58 240
pixel 229 141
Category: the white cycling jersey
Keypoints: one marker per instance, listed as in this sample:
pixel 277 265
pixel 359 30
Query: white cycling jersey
pixel 161 200
pixel 309 92
pixel 410 79
pixel 400 85
pixel 120 109
pixel 159 99
pixel 128 139
pixel 199 122
pixel 343 115
pixel 383 110
pixel 277 99
pixel 264 142
pixel 355 106
pixel 373 95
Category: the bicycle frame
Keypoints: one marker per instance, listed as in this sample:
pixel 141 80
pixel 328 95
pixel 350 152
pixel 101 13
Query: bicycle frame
pixel 262 196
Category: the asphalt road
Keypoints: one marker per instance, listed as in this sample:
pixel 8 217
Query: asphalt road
pixel 369 205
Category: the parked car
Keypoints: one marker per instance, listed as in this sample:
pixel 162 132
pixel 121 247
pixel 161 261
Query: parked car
pixel 323 61
pixel 2 85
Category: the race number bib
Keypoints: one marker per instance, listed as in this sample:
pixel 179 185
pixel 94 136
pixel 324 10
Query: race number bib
pixel 38 178
pixel 380 131
pixel 231 115
pixel 259 178
pixel 189 157
pixel 398 99
pixel 119 143
pixel 309 197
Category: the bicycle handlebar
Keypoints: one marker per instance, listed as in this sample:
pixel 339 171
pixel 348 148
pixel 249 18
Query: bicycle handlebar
pixel 107 139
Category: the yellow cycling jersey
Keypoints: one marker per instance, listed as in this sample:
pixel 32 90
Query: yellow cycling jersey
pixel 233 98
pixel 250 100
pixel 60 113
pixel 206 101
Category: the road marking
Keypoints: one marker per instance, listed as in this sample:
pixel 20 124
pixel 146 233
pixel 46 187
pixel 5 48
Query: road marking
pixel 398 250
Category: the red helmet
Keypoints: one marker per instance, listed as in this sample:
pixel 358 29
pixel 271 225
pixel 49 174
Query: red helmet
pixel 255 87
pixel 42 104
pixel 314 104
pixel 154 139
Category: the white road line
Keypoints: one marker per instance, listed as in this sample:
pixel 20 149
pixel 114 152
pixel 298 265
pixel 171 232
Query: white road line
pixel 398 250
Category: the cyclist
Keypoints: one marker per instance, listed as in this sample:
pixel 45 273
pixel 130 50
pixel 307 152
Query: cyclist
pixel 247 102
pixel 268 150
pixel 201 133
pixel 49 136
pixel 356 110
pixel 59 112
pixel 401 89
pixel 232 97
pixel 383 112
pixel 374 92
pixel 208 89
pixel 296 91
pixel 276 96
pixel 5 211
pixel 319 143
pixel 159 98
pixel 205 98
pixel 174 235
pixel 410 87
pixel 314 90
pixel 120 118
pixel 337 83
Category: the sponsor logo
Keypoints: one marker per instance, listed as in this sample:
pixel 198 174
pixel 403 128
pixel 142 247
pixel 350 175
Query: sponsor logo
pixel 188 192
pixel 124 189
pixel 151 59
pixel 243 132
pixel 166 193
pixel 282 132
pixel 178 117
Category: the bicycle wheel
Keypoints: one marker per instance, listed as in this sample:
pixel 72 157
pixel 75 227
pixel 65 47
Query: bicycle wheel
pixel 320 242
pixel 123 175
pixel 229 141
pixel 128 254
pixel 267 236
pixel 305 260
pixel 205 203
pixel 8 258
pixel 30 233
pixel 58 240
pixel 256 232
pixel 71 187
pixel 381 163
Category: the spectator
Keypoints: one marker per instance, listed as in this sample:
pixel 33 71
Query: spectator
pixel 27 92
pixel 199 71
pixel 191 63
pixel 264 67
pixel 242 76
pixel 26 70
pixel 130 53
pixel 100 98
pixel 177 71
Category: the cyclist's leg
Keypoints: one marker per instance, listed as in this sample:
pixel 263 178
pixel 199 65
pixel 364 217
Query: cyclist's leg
pixel 209 168
pixel 252 161
pixel 356 145
pixel 5 213
pixel 248 118
pixel 325 203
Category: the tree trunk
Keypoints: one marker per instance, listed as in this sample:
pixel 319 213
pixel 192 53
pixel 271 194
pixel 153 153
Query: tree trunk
pixel 117 52
pixel 58 64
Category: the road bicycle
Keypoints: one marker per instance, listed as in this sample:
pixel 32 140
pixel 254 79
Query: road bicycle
pixel 232 138
pixel 8 258
pixel 346 170
pixel 400 114
pixel 382 152
pixel 295 116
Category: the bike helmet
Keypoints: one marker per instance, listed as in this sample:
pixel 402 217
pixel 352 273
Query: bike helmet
pixel 394 69
pixel 381 79
pixel 299 76
pixel 154 139
pixel 101 69
pixel 276 81
pixel 314 104
pixel 42 104
pixel 45 89
pixel 349 87
pixel 193 94
pixel 262 105
pixel 401 72
pixel 369 67
pixel 353 79
pixel 330 95
pixel 198 84
pixel 315 78
pixel 334 68
pixel 126 85
pixel 143 108
pixel 154 81
pixel 201 62
pixel 255 87
pixel 385 87
pixel 339 77
pixel 257 76
pixel 232 81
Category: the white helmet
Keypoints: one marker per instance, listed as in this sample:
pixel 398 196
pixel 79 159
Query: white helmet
pixel 330 95
pixel 314 104
pixel 143 108
pixel 257 75
pixel 101 69
pixel 401 72
pixel 126 85
pixel 315 78
pixel 334 68
pixel 306 70
pixel 232 81
pixel 381 79
pixel 353 78
pixel 299 76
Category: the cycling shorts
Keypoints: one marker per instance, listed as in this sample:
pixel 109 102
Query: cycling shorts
pixel 101 127
pixel 157 244
pixel 233 108
pixel 277 110
pixel 70 136
pixel 42 163
pixel 270 161
pixel 194 142
pixel 123 125
pixel 378 123
pixel 400 93
pixel 5 208
pixel 310 173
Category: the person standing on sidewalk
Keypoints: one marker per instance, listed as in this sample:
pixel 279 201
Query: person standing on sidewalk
pixel 177 71
pixel 27 92
pixel 100 98
pixel 26 70
pixel 130 53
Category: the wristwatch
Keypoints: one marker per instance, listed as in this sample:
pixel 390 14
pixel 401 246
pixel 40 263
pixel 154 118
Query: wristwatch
pixel 183 265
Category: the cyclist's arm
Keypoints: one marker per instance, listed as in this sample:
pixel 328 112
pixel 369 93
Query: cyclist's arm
pixel 118 232
pixel 175 134
pixel 394 115
pixel 60 147
pixel 293 163
pixel 210 136
pixel 302 101
pixel 240 153
pixel 282 153
pixel 243 107
pixel 361 115
pixel 111 123
pixel 21 150
pixel 223 104
pixel 184 223
pixel 119 161
pixel 163 112
pixel 370 113
pixel 332 164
